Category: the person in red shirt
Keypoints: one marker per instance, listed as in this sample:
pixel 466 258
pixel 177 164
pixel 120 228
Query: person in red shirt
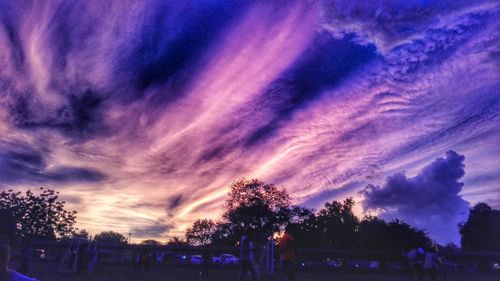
pixel 287 254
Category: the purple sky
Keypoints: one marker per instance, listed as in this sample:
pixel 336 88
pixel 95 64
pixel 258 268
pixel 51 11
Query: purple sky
pixel 141 113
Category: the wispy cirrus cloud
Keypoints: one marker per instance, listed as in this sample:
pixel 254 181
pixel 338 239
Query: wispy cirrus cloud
pixel 148 111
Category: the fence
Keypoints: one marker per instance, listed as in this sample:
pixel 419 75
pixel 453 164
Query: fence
pixel 307 259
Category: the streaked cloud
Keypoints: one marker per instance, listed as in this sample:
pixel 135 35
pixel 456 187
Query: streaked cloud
pixel 148 110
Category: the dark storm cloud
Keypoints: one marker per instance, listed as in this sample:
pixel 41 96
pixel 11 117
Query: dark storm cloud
pixel 174 202
pixel 430 200
pixel 155 230
pixel 16 49
pixel 80 118
pixel 389 22
pixel 22 164
pixel 322 67
pixel 172 41
pixel 75 174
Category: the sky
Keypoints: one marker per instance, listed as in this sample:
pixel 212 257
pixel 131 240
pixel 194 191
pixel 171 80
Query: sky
pixel 141 113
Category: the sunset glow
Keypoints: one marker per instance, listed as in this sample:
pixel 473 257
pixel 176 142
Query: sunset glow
pixel 141 113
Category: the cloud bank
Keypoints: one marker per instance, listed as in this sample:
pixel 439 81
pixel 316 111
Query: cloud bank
pixel 431 200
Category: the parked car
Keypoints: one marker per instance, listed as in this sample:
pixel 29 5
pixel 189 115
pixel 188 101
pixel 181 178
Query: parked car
pixel 495 267
pixel 396 267
pixel 196 259
pixel 307 265
pixel 374 265
pixel 39 253
pixel 226 259
pixel 357 265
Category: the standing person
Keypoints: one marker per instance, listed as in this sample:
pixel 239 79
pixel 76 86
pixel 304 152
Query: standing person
pixel 247 262
pixel 431 264
pixel 406 263
pixel 259 253
pixel 416 261
pixel 145 259
pixel 205 264
pixel 7 237
pixel 287 253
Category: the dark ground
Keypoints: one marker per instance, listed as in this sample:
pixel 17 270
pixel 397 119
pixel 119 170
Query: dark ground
pixel 127 273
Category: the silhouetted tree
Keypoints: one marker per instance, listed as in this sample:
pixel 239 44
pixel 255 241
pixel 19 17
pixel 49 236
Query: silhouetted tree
pixel 450 248
pixel 176 241
pixel 39 216
pixel 377 234
pixel 151 242
pixel 307 233
pixel 300 215
pixel 82 233
pixel 201 232
pixel 254 204
pixel 223 235
pixel 110 237
pixel 337 224
pixel 481 232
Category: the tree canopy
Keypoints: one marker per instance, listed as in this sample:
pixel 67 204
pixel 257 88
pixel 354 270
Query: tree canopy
pixel 254 204
pixel 265 208
pixel 39 215
pixel 110 237
pixel 176 241
pixel 151 242
pixel 481 231
pixel 201 233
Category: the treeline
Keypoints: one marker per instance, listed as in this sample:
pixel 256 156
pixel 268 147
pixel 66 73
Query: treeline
pixel 265 208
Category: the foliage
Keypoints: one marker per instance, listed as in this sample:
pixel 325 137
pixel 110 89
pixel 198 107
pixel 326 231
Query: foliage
pixel 450 248
pixel 265 208
pixel 336 227
pixel 201 232
pixel 39 216
pixel 82 233
pixel 481 231
pixel 256 205
pixel 110 237
pixel 223 236
pixel 151 242
pixel 377 234
pixel 176 241
pixel 338 224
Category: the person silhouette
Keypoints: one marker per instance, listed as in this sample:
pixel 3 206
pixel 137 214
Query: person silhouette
pixel 416 257
pixel 205 264
pixel 247 263
pixel 7 238
pixel 431 263
pixel 287 254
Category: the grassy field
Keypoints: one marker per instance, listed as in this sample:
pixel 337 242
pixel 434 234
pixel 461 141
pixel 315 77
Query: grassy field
pixel 191 274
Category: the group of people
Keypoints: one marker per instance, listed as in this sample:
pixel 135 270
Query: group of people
pixel 421 263
pixel 251 256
